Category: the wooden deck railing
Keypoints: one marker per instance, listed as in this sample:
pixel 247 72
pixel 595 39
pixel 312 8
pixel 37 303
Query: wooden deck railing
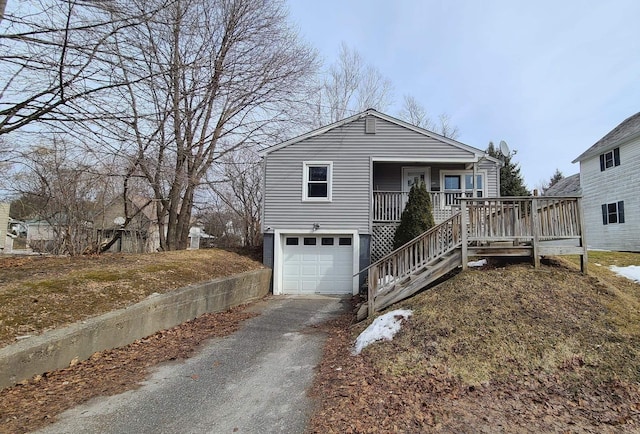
pixel 495 219
pixel 540 225
pixel 413 256
pixel 387 206
pixel 533 220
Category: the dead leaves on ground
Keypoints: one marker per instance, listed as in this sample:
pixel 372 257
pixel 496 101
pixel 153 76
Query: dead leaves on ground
pixel 355 396
pixel 36 402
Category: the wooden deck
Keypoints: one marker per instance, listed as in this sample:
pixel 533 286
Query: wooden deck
pixel 508 226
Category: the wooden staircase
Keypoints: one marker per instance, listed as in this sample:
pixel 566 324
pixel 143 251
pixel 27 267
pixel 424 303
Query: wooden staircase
pixel 510 226
pixel 412 267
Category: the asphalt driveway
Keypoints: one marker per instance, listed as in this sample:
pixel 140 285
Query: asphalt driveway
pixel 253 381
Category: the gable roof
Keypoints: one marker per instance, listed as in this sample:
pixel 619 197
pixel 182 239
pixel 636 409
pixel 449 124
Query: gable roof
pixel 628 129
pixel 372 112
pixel 569 186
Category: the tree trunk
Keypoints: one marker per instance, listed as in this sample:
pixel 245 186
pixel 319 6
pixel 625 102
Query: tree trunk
pixel 3 5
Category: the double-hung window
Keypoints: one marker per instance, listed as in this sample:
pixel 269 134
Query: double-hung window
pixel 317 182
pixel 613 212
pixel 609 159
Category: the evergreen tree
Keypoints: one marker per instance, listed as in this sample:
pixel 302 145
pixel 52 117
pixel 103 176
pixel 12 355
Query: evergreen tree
pixel 511 181
pixel 417 216
pixel 557 176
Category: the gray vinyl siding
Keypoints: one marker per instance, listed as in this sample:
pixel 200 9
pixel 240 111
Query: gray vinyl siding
pixel 351 151
pixel 618 183
pixel 387 176
pixel 493 177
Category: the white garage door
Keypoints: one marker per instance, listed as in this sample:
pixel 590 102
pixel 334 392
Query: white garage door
pixel 317 264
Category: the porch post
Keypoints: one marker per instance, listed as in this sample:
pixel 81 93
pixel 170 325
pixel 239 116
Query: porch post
pixel 535 221
pixel 463 234
pixel 372 289
pixel 475 174
pixel 584 258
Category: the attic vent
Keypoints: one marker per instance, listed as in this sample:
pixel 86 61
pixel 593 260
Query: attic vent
pixel 370 125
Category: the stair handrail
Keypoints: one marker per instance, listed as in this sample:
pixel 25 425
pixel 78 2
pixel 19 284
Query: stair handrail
pixel 411 257
pixel 419 237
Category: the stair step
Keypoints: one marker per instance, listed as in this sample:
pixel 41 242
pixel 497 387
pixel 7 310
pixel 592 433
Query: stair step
pixel 450 262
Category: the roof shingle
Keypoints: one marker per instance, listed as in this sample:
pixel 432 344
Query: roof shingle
pixel 629 127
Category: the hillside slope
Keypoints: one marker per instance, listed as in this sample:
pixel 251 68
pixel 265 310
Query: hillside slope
pixel 499 349
pixel 38 293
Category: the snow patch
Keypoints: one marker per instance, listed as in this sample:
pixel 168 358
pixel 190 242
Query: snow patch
pixel 632 272
pixel 480 263
pixel 383 328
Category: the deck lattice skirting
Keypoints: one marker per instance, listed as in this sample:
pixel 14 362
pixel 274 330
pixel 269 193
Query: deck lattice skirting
pixel 382 239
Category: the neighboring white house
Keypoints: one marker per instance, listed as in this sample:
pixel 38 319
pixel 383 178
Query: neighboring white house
pixel 333 197
pixel 4 224
pixel 610 183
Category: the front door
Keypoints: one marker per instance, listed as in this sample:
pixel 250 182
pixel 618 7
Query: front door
pixel 414 175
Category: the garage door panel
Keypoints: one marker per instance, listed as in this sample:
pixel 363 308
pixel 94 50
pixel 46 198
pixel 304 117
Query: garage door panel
pixel 324 267
pixel 309 271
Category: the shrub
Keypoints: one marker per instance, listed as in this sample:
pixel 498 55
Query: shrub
pixel 417 216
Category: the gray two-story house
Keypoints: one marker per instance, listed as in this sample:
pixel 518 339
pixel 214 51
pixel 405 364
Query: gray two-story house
pixel 333 197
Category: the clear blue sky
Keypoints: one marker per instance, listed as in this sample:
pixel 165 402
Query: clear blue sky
pixel 548 77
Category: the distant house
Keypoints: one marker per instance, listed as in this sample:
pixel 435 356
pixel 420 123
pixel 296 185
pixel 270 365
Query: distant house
pixel 610 183
pixel 334 197
pixel 140 235
pixel 569 186
pixel 101 224
pixel 4 225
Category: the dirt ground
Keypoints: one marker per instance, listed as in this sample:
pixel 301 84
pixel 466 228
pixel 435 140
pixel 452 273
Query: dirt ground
pixel 505 349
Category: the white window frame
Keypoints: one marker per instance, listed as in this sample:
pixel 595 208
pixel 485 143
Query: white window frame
pixel 305 180
pixel 619 213
pixel 461 174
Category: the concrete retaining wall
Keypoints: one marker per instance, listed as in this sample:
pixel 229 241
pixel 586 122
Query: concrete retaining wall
pixel 57 348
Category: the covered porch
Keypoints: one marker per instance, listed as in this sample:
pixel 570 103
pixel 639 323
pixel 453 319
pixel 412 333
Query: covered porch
pixel 446 181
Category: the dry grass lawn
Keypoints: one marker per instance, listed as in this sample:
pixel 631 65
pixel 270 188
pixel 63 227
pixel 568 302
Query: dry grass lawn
pixel 41 293
pixel 505 348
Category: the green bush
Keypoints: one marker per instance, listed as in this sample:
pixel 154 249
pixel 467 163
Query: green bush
pixel 417 216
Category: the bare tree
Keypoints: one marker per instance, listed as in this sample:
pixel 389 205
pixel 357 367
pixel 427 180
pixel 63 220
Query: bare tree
pixel 67 192
pixel 352 86
pixel 3 5
pixel 241 192
pixel 445 128
pixel 415 113
pixel 203 78
pixel 54 58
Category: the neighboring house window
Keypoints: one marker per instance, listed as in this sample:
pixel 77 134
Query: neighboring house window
pixel 609 159
pixel 316 185
pixel 613 212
